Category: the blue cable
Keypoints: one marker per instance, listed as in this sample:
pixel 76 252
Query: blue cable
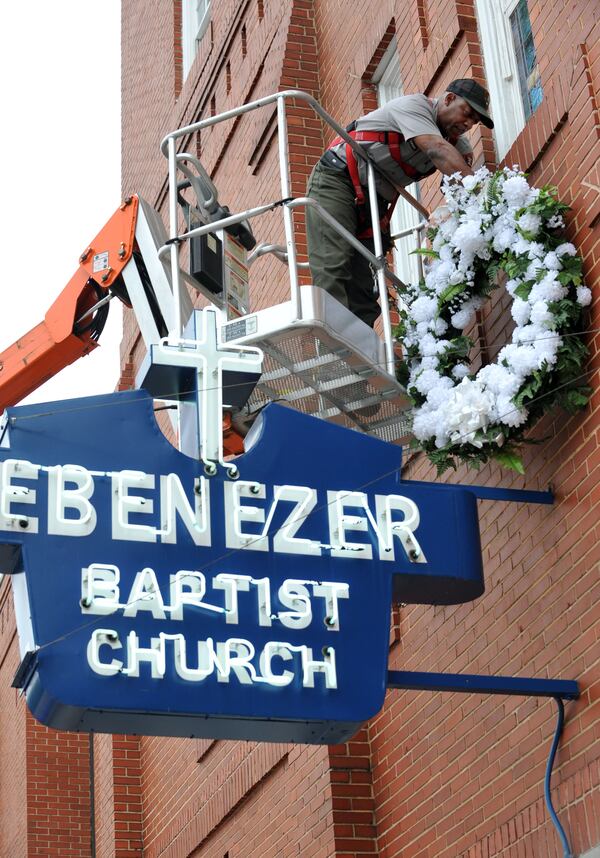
pixel 559 728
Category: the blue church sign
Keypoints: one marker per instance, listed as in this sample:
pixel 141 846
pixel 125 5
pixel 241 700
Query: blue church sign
pixel 153 598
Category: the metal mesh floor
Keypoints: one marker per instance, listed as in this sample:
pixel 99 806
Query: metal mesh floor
pixel 320 379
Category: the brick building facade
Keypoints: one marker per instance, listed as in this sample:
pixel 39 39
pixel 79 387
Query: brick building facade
pixel 432 776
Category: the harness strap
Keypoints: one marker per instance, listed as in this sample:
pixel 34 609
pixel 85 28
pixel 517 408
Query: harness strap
pixel 392 139
pixel 352 164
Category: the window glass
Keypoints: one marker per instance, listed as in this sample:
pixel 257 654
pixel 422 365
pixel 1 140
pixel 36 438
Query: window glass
pixel 511 67
pixel 195 18
pixel 529 74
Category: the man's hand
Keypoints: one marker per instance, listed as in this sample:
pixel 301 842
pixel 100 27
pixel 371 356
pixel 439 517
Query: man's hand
pixel 443 154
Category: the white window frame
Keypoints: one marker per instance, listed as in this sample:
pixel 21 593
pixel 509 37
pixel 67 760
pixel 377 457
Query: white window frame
pixel 387 78
pixel 195 18
pixel 501 71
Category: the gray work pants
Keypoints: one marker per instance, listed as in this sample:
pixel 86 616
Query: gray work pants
pixel 335 265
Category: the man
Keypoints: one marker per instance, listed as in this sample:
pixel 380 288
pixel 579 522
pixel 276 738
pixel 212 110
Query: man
pixel 409 138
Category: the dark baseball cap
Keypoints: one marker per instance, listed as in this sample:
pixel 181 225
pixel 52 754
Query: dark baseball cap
pixel 474 94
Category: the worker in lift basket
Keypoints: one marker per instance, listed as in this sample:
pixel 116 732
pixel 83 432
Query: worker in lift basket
pixel 410 137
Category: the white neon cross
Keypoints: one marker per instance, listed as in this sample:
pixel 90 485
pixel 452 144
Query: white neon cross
pixel 210 358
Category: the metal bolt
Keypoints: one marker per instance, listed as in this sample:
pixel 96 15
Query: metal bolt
pixel 24 523
pixel 85 254
pixel 122 250
pixel 210 469
pixel 85 602
pixel 125 203
pixel 254 489
pixel 233 473
pixel 105 277
pixel 414 553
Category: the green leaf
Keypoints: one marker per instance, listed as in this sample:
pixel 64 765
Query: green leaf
pixel 523 290
pixel 449 293
pixel 575 399
pixel 565 278
pixel 528 392
pixel 510 461
pixel 402 373
pixel 425 251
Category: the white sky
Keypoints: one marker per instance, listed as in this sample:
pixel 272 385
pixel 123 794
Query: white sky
pixel 60 167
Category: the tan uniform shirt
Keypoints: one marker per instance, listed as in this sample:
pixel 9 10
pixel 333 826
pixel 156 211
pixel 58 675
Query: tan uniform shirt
pixel 411 116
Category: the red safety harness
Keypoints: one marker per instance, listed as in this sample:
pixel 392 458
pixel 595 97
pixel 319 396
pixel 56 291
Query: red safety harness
pixel 392 139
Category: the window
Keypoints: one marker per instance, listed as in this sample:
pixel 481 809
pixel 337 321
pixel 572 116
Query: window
pixel 195 18
pixel 511 67
pixel 389 86
pixel 530 83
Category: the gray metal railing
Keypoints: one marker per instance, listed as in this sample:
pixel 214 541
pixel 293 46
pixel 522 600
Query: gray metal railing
pixel 201 183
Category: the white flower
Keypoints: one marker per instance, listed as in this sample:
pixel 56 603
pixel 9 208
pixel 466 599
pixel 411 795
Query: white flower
pixel 522 359
pixel 462 319
pixel 548 289
pixel 438 395
pixel 446 253
pixel 521 246
pixel 552 262
pixel 423 309
pixel 449 227
pixel 498 379
pixel 516 191
pixel 460 371
pixel 520 311
pixel 556 222
pixel 424 425
pixel 584 296
pixel 468 238
pixel 427 379
pixel 541 315
pixel 438 241
pixel 438 327
pixel 536 250
pixel 455 278
pixel 546 349
pixel 509 414
pixel 469 182
pixel 468 409
pixel 504 239
pixel 530 222
pixel 428 344
pixel 429 362
pixel 532 270
pixel 566 249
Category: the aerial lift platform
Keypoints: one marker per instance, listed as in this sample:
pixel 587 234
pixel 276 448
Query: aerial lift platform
pixel 318 357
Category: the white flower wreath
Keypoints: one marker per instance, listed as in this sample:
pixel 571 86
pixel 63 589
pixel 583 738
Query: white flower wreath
pixel 494 228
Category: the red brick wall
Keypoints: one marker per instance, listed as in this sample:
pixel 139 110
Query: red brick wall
pixel 13 798
pixel 104 797
pixel 433 776
pixel 58 793
pixel 466 776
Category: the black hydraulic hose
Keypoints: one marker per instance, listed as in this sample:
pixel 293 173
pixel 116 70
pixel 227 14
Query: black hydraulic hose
pixel 555 820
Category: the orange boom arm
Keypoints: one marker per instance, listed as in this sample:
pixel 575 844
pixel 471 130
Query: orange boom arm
pixel 59 340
